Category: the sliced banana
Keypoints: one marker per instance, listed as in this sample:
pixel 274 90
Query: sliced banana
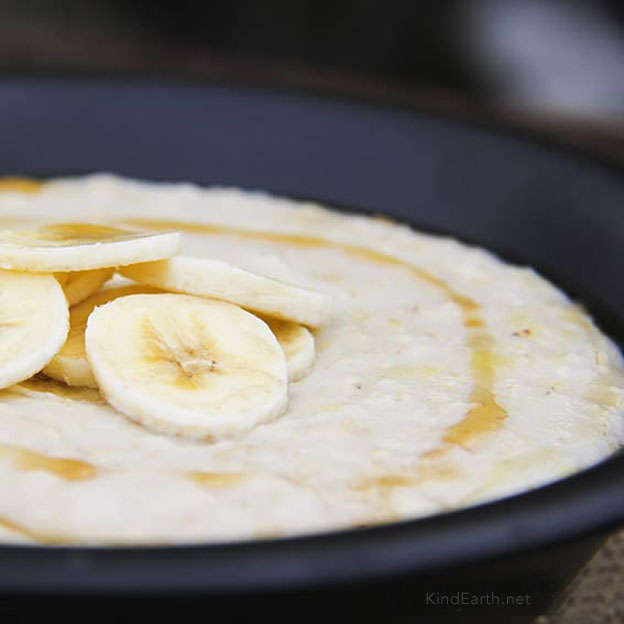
pixel 70 364
pixel 297 342
pixel 40 385
pixel 78 285
pixel 33 324
pixel 219 280
pixel 186 365
pixel 81 246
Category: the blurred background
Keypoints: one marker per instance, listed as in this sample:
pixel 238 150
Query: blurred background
pixel 555 66
pixel 552 67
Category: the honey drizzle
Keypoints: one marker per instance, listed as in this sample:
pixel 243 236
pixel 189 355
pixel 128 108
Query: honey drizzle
pixel 486 415
pixel 16 184
pixel 62 467
pixel 34 536
pixel 8 525
pixel 216 480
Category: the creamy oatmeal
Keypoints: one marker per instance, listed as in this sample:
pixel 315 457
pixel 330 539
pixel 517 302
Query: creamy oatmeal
pixel 444 377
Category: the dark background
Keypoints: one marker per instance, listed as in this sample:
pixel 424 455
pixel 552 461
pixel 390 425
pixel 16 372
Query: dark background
pixel 552 65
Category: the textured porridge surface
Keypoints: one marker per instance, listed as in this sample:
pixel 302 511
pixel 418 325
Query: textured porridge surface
pixel 445 377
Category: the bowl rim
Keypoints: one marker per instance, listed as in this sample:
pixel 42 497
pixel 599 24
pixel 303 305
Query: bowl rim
pixel 586 503
pixel 501 528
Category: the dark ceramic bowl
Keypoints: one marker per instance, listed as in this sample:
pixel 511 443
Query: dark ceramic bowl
pixel 532 203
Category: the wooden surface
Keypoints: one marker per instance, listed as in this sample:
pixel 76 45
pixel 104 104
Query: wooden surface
pixel 596 596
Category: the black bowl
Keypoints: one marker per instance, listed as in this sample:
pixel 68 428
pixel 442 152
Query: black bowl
pixel 532 203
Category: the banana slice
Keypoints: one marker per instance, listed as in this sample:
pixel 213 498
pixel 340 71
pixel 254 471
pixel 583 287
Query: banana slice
pixel 212 278
pixel 70 364
pixel 33 324
pixel 40 385
pixel 297 342
pixel 78 285
pixel 81 246
pixel 186 365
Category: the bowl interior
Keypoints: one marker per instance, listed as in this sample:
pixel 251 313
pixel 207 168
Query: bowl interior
pixel 534 204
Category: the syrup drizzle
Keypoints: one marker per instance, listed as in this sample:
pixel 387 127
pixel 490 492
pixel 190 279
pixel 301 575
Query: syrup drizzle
pixel 216 480
pixel 33 536
pixel 17 184
pixel 62 467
